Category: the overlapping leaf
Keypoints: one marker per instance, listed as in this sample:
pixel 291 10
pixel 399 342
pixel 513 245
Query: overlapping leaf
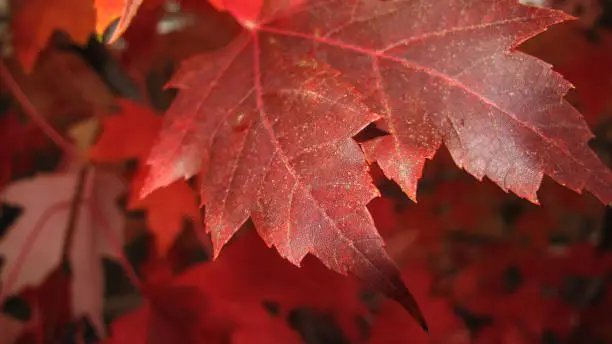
pixel 301 177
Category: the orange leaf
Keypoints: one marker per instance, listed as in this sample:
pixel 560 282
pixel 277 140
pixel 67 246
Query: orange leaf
pixel 106 12
pixel 128 135
pixel 166 208
pixel 34 21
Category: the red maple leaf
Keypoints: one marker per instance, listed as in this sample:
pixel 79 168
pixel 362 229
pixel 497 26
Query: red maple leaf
pixel 167 206
pixel 190 309
pixel 275 110
pixel 462 85
pixel 119 141
pixel 171 314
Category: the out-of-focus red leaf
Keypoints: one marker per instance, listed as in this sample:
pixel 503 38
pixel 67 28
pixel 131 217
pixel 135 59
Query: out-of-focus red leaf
pixel 291 174
pixel 392 326
pixel 247 261
pixel 34 21
pixel 248 12
pixel 180 310
pixel 166 208
pixel 129 135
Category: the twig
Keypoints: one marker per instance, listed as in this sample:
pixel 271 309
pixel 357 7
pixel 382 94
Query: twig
pixel 8 80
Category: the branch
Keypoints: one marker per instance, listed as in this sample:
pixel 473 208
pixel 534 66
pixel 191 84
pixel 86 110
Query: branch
pixel 8 80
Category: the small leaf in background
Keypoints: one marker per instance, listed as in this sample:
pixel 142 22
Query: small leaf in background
pixel 35 244
pixel 301 178
pixel 166 207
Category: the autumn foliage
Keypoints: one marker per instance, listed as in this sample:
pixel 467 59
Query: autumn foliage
pixel 306 171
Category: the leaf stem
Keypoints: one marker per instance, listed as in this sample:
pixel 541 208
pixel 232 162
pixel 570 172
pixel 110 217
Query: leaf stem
pixel 31 111
pixel 75 204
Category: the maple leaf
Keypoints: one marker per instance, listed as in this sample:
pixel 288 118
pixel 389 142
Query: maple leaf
pixel 34 21
pixel 172 314
pixel 274 112
pixel 248 11
pixel 62 84
pixel 34 245
pixel 180 310
pixel 120 141
pixel 167 206
pixel 484 289
pixel 301 178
